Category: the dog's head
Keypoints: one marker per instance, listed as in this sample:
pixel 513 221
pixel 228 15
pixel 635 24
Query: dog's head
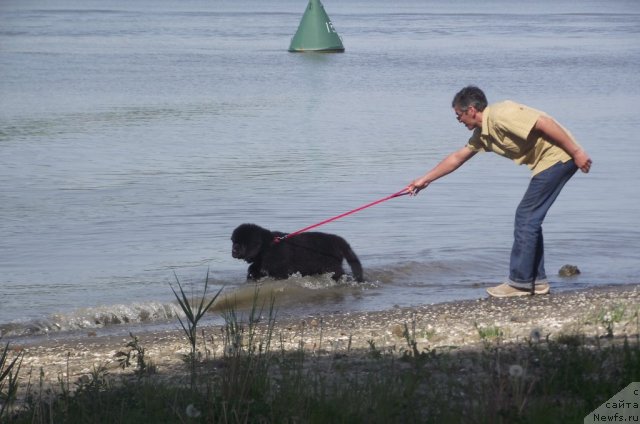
pixel 248 240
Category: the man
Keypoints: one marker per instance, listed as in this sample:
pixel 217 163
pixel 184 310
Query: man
pixel 528 137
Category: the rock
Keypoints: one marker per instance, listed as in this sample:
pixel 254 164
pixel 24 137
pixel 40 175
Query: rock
pixel 569 271
pixel 398 331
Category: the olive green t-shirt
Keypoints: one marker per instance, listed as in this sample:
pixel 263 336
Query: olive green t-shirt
pixel 507 129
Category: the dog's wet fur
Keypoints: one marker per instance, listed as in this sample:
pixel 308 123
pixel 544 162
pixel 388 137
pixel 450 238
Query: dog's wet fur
pixel 309 253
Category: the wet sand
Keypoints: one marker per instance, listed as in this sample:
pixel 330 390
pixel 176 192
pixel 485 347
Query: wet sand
pixel 454 324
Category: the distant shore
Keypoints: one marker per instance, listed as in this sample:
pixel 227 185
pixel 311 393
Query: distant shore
pixel 459 324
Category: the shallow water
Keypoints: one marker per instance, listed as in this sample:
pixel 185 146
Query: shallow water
pixel 134 137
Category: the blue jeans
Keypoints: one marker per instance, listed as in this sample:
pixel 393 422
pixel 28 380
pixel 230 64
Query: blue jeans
pixel 527 255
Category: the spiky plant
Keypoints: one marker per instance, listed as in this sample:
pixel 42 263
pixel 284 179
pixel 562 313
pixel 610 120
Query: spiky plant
pixel 193 311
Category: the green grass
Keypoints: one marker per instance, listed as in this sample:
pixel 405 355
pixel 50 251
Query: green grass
pixel 9 370
pixel 193 310
pixel 257 380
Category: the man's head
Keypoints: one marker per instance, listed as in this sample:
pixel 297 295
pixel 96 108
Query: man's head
pixel 468 105
pixel 469 96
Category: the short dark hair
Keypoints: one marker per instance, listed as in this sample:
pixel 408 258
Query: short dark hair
pixel 470 96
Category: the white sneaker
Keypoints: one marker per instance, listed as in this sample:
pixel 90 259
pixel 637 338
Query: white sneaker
pixel 505 290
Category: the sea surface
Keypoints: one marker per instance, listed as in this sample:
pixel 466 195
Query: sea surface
pixel 136 135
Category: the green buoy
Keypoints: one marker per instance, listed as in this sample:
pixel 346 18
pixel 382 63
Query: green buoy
pixel 316 32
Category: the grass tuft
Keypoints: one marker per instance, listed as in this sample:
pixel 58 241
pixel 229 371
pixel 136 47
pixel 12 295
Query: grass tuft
pixel 9 370
pixel 193 311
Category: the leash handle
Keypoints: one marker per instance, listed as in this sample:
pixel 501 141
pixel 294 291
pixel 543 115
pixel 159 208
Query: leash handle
pixel 402 192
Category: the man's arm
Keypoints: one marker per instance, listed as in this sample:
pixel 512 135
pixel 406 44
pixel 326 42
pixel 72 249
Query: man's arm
pixel 446 166
pixel 558 135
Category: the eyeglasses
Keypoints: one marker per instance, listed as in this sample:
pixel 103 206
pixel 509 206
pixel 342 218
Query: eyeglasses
pixel 461 112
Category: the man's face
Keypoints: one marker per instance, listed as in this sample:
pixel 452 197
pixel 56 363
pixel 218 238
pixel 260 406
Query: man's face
pixel 467 116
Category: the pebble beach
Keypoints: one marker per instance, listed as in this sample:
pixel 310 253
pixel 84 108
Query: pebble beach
pixel 452 325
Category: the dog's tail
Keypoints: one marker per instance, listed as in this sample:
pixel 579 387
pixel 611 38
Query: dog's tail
pixel 353 261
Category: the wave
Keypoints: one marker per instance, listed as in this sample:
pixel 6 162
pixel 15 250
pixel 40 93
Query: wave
pixel 240 297
pixel 93 318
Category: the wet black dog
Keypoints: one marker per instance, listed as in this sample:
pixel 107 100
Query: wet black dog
pixel 306 253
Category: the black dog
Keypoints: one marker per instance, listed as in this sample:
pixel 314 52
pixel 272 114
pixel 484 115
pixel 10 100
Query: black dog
pixel 306 253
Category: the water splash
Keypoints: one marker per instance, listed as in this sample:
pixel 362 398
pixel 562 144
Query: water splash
pixel 93 318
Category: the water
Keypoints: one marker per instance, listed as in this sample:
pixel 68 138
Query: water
pixel 135 136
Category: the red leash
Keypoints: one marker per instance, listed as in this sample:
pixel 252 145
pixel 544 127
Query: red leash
pixel 326 221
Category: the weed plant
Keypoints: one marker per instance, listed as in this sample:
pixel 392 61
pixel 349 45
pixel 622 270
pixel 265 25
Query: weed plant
pixel 138 353
pixel 193 311
pixel 9 369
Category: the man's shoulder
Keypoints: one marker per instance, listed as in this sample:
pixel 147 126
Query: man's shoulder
pixel 508 111
pixel 505 105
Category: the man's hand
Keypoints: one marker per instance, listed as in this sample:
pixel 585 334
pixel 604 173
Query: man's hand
pixel 582 160
pixel 416 186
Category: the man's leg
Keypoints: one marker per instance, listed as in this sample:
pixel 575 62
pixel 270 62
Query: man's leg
pixel 527 253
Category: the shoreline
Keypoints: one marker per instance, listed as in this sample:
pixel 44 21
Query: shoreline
pixel 450 325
